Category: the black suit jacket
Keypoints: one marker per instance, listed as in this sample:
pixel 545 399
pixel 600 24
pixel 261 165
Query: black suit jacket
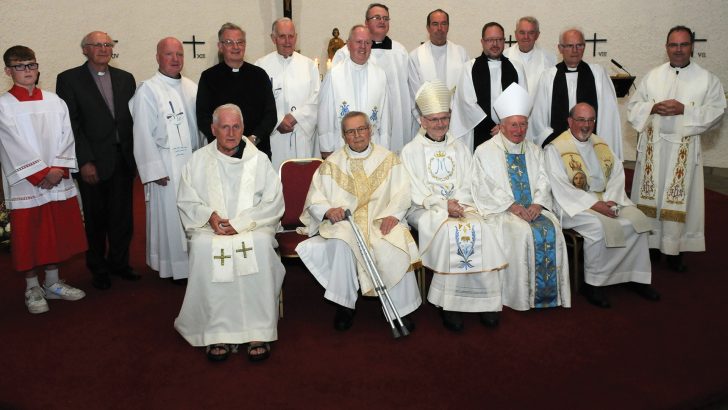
pixel 94 127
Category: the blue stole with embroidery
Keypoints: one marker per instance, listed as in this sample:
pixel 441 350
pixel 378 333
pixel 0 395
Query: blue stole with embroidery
pixel 546 293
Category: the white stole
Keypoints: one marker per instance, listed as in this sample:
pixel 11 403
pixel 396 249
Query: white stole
pixel 428 66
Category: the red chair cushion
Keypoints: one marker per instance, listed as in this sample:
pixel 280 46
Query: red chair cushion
pixel 287 242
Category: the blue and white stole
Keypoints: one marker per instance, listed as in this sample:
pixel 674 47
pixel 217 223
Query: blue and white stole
pixel 546 292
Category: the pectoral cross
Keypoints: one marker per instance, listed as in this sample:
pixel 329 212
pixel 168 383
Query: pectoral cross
pixel 244 250
pixel 222 257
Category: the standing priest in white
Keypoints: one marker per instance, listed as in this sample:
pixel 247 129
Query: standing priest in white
pixel 569 82
pixel 231 201
pixel 454 241
pixel 165 135
pixel 295 81
pixel 482 81
pixel 674 104
pixel 534 59
pixel 392 57
pixel 355 84
pixel 371 182
pixel 436 59
pixel 510 184
pixel 588 185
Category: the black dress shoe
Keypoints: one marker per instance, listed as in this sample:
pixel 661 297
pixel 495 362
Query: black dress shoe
pixel 645 290
pixel 675 263
pixel 453 321
pixel 101 281
pixel 127 275
pixel 344 318
pixel 490 319
pixel 408 323
pixel 595 295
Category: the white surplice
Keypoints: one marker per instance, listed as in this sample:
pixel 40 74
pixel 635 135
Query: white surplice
pixel 466 113
pixel 235 280
pixel 372 185
pixel 609 126
pixel 429 62
pixel 603 265
pixel 352 87
pixel 296 83
pixel 492 194
pixel 534 63
pixel 674 150
pixel 465 262
pixel 165 135
pixel 394 62
pixel 35 135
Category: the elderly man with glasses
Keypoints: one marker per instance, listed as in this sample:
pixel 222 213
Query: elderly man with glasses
pixel 483 80
pixel 370 181
pixel 98 97
pixel 233 81
pixel 570 82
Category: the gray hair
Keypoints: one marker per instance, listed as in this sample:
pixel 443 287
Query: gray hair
pixel 352 114
pixel 85 38
pixel 273 28
pixel 577 29
pixel 529 19
pixel 228 26
pixel 226 107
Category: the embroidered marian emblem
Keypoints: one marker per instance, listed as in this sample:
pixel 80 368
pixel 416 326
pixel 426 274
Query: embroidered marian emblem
pixel 373 117
pixel 465 238
pixel 344 109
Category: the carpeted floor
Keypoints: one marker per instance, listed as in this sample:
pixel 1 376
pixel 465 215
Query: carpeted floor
pixel 117 349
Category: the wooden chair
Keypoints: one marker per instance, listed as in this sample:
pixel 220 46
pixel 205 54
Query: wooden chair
pixel 296 175
pixel 420 270
pixel 575 246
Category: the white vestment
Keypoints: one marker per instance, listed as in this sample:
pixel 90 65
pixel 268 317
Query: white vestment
pixel 352 87
pixel 394 62
pixel 235 280
pixel 603 264
pixel 492 194
pixel 296 83
pixel 534 63
pixel 372 185
pixel 668 178
pixel 165 135
pixel 608 123
pixel 35 135
pixel 466 113
pixel 463 252
pixel 429 62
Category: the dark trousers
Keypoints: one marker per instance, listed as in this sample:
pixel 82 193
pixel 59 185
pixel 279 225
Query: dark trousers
pixel 107 208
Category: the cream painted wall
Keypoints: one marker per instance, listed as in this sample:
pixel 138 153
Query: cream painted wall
pixel 635 32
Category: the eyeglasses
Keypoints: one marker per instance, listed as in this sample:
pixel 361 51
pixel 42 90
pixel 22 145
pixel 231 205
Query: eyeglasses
pixel 378 17
pixel 494 40
pixel 577 47
pixel 678 45
pixel 230 43
pixel 352 132
pixel 23 67
pixel 100 45
pixel 529 33
pixel 585 120
pixel 442 120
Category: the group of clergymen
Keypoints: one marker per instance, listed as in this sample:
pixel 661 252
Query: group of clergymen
pixel 487 201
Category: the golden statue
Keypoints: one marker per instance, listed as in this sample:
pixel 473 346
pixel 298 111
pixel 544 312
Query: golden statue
pixel 335 43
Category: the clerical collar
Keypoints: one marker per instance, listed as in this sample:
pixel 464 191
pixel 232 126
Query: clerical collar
pixel 572 70
pixel 239 150
pixel 96 72
pixel 353 154
pixel 169 79
pixel 581 143
pixel 680 68
pixel 444 139
pixel 233 69
pixel 509 146
pixel 385 44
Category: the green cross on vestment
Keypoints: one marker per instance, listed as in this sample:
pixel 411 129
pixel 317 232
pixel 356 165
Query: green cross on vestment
pixel 222 257
pixel 244 250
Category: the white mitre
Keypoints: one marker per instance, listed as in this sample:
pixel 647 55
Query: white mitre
pixel 514 100
pixel 433 98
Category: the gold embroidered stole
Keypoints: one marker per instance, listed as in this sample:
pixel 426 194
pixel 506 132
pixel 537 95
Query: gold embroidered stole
pixel 574 163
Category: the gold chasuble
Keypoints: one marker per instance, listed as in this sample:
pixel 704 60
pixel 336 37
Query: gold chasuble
pixel 574 163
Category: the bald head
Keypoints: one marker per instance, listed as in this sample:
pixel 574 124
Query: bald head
pixel 170 57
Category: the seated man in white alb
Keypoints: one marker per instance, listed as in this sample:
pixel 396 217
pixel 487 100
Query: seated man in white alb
pixel 454 241
pixel 231 200
pixel 587 181
pixel 371 182
pixel 510 184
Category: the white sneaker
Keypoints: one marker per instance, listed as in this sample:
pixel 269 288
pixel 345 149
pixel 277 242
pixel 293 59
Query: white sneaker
pixel 60 290
pixel 35 300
